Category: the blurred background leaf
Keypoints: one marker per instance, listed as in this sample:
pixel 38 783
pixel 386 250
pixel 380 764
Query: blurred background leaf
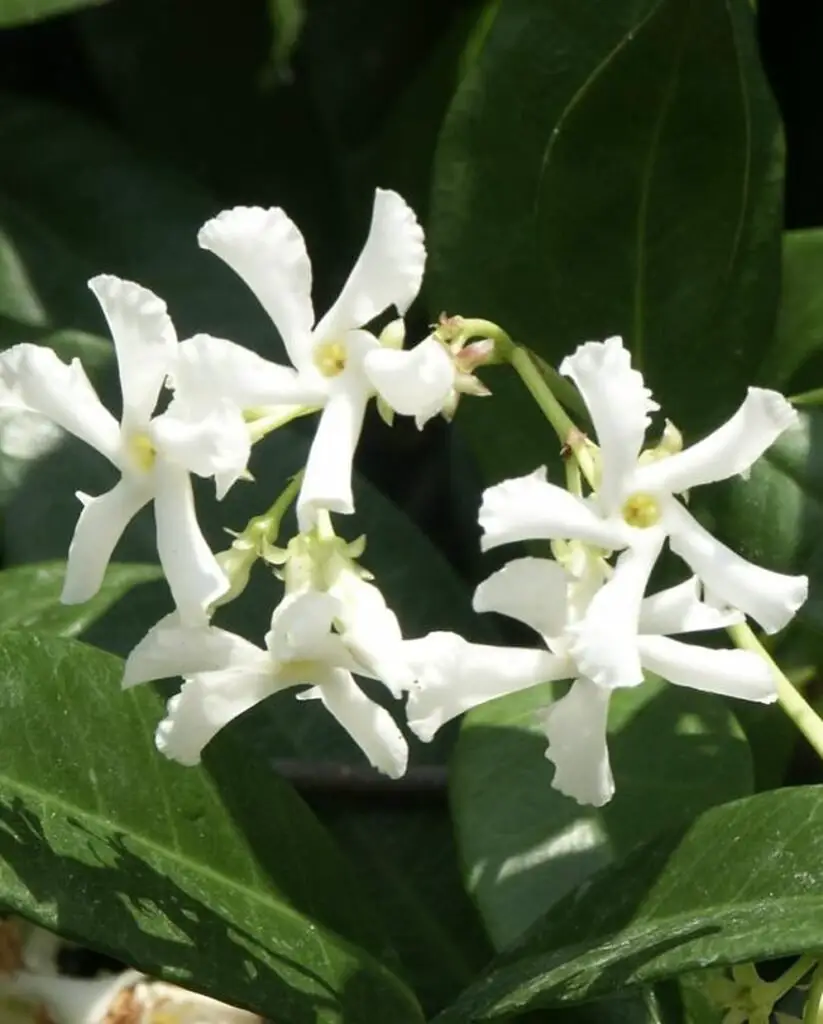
pixel 523 845
pixel 21 12
pixel 615 172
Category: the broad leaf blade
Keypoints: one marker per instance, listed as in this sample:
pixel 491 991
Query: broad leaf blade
pixel 742 883
pixel 22 12
pixel 637 192
pixel 674 753
pixel 153 868
pixel 30 596
pixel 799 329
pixel 428 917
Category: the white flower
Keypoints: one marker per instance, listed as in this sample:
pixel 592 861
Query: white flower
pixel 635 508
pixel 331 623
pixel 338 365
pixel 127 997
pixel 153 454
pixel 454 675
pixel 226 675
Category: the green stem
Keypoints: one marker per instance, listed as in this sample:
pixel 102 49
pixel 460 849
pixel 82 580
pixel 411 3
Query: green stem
pixel 264 425
pixel 793 703
pixel 813 397
pixel 814 1000
pixel 786 982
pixel 531 376
pixel 523 362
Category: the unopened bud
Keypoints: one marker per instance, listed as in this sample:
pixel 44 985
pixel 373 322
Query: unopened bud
pixel 478 353
pixel 393 334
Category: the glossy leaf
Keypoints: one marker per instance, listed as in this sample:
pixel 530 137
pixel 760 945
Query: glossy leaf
pixel 741 883
pixel 248 901
pixel 22 12
pixel 523 845
pixel 636 192
pixel 426 913
pixel 799 330
pixel 30 597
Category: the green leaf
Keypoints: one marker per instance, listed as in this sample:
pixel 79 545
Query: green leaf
pixel 239 894
pixel 637 192
pixel 741 883
pixel 30 597
pixel 419 894
pixel 22 12
pixel 799 330
pixel 237 132
pixel 523 845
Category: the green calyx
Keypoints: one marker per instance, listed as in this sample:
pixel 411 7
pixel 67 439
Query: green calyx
pixel 316 559
pixel 255 541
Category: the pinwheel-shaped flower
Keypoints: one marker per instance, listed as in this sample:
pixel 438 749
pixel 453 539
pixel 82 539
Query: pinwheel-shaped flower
pixel 454 675
pixel 634 508
pixel 226 675
pixel 331 623
pixel 338 366
pixel 154 454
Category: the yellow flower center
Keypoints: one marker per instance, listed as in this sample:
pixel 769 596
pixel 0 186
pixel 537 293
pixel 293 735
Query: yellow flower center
pixel 330 358
pixel 641 511
pixel 142 451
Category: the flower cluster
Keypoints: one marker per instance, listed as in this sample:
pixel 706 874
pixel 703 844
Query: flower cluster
pixel 587 604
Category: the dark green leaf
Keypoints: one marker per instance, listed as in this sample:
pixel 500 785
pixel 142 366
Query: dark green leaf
pixel 30 597
pixel 250 139
pixel 741 883
pixel 674 753
pixel 243 897
pixel 21 12
pixel 615 171
pixel 426 913
pixel 799 331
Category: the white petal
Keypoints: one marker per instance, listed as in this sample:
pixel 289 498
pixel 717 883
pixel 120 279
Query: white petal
pixel 388 271
pixel 265 248
pixel 619 404
pixel 371 727
pixel 680 610
pixel 34 378
pixel 195 578
pixel 144 339
pixel 209 701
pixel 575 727
pixel 730 450
pixel 209 369
pixel 454 676
pixel 99 528
pixel 172 649
pixel 730 673
pixel 604 642
pixel 531 590
pixel 215 444
pixel 530 508
pixel 301 628
pixel 62 999
pixel 414 382
pixel 371 631
pixel 327 479
pixel 770 598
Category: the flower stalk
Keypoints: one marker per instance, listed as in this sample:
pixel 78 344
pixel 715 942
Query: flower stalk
pixel 790 699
